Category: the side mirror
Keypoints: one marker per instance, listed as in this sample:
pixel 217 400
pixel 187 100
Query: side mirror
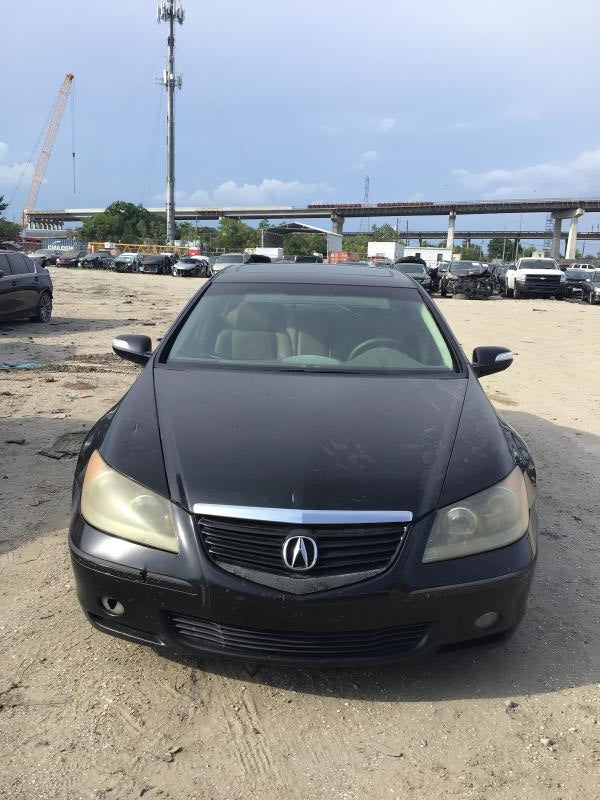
pixel 487 360
pixel 2 273
pixel 133 347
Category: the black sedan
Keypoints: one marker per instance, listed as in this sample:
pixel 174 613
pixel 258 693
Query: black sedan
pixel 156 265
pixel 575 280
pixel 98 260
pixel 25 288
pixel 307 470
pixel 417 271
pixel 70 258
pixel 191 267
pixel 45 257
pixel 590 289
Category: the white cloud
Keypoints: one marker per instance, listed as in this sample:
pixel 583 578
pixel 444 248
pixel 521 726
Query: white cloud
pixel 368 157
pixel 11 174
pixel 581 176
pixel 270 191
pixel 383 124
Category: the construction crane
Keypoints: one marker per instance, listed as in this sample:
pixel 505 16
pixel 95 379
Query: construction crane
pixel 53 126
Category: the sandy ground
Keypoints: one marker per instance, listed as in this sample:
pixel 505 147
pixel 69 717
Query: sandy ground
pixel 84 715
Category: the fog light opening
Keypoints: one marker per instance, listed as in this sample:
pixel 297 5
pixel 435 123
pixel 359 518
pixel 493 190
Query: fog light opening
pixel 112 605
pixel 487 620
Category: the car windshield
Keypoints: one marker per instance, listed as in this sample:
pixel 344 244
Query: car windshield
pixel 126 257
pixel 308 327
pixel 596 277
pixel 230 258
pixel 538 263
pixel 466 267
pixel 411 269
pixel 69 253
pixel 577 274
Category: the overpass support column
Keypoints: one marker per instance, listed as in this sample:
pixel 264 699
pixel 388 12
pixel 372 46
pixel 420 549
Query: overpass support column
pixel 572 240
pixel 451 226
pixel 337 225
pixel 556 237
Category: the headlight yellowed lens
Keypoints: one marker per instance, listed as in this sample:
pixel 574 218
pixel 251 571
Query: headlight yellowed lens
pixel 118 505
pixel 493 518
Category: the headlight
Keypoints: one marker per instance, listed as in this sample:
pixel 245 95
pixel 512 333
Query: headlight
pixel 563 277
pixel 597 290
pixel 118 505
pixel 493 518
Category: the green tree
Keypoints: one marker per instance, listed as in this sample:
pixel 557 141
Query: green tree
pixel 235 235
pixel 471 252
pixel 7 229
pixel 298 244
pixel 124 222
pixel 499 247
pixel 384 233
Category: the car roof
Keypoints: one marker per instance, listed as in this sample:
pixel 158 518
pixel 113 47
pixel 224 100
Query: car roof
pixel 337 274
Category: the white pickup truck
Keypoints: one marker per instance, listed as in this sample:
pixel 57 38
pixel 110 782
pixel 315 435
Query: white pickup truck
pixel 539 277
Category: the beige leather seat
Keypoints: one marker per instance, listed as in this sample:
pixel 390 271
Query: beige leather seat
pixel 257 333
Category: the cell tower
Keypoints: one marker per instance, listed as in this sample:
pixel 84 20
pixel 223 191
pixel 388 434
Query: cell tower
pixel 366 222
pixel 171 12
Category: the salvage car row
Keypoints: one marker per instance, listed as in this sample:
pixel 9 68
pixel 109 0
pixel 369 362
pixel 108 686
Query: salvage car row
pixel 156 264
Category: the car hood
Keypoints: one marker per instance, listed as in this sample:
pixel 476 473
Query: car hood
pixel 307 441
pixel 528 271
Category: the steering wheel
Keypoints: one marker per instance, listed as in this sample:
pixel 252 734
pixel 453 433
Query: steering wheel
pixel 370 344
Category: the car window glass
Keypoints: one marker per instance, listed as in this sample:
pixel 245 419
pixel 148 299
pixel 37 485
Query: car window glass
pixel 4 265
pixel 17 264
pixel 312 328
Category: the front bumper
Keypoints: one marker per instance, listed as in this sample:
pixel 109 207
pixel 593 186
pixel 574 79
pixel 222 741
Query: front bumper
pixel 185 602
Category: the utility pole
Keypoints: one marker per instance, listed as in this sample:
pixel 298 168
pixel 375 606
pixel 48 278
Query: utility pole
pixel 170 12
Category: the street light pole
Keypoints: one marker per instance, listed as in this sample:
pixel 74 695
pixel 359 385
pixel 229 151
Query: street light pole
pixel 170 12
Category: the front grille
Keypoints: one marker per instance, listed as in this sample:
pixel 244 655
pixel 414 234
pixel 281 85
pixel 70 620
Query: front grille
pixel 294 645
pixel 542 283
pixel 342 550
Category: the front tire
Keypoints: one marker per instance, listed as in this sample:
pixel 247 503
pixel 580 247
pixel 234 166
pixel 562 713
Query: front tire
pixel 591 299
pixel 509 292
pixel 44 311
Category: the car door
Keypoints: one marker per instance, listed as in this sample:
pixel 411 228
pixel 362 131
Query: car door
pixel 7 290
pixel 25 283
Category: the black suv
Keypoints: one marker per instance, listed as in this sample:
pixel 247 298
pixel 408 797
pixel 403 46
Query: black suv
pixel 25 288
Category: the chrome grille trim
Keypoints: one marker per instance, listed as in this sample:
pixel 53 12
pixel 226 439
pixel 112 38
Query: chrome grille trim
pixel 299 516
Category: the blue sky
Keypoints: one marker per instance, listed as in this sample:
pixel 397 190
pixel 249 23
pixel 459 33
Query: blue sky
pixel 289 103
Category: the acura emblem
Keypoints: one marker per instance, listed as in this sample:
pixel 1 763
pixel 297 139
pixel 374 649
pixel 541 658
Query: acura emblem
pixel 300 553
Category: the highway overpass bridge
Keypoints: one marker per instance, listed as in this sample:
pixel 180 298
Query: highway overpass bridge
pixel 560 208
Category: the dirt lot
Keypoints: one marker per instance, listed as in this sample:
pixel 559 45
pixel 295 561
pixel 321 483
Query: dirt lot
pixel 83 715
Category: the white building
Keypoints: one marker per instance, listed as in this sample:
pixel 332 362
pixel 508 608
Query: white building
pixel 430 255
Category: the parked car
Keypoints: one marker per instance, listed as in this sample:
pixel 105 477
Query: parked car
pixel 539 277
pixel 191 267
pixel 498 273
pixel 417 271
pixel 590 289
pixel 469 278
pixel 575 279
pixel 403 522
pixel 45 256
pixel 587 267
pixel 8 245
pixel 308 258
pixel 127 262
pixel 157 265
pixel 226 260
pixel 25 288
pixel 70 258
pixel 101 260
